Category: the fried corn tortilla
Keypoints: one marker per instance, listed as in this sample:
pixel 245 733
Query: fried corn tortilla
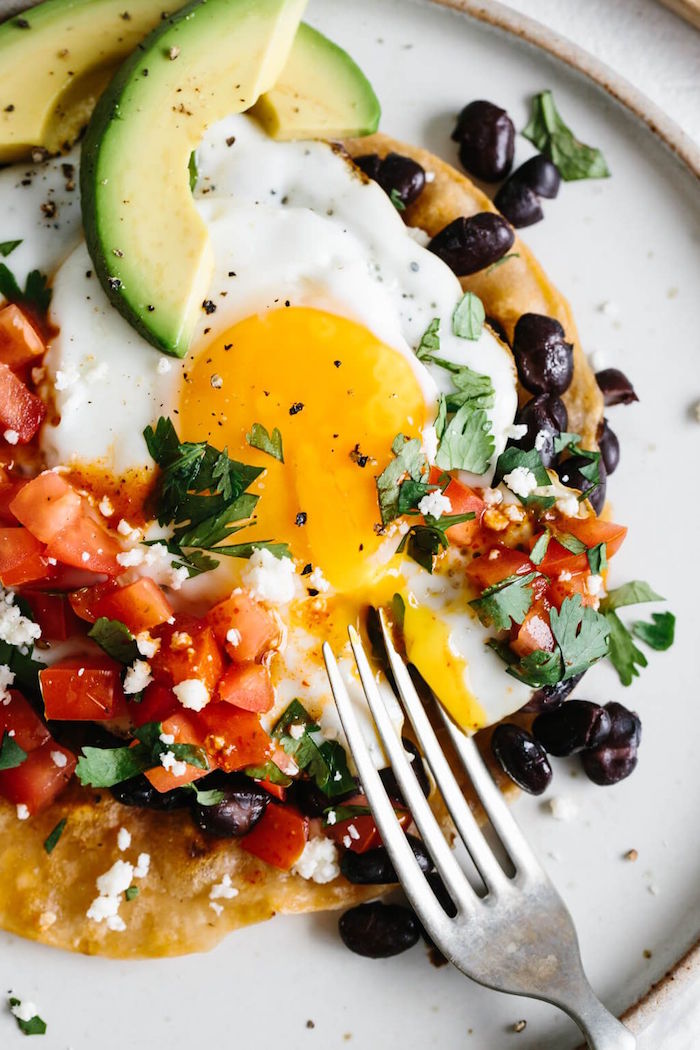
pixel 45 897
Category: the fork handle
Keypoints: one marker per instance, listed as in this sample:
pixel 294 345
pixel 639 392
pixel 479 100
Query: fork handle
pixel 602 1029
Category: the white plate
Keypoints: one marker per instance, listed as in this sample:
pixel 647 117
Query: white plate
pixel 631 241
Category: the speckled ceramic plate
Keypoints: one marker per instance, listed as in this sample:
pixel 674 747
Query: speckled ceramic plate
pixel 625 251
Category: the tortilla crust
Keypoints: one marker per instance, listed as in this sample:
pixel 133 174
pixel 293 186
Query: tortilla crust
pixel 518 286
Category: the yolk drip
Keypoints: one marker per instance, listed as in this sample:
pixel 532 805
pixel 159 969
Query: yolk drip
pixel 337 395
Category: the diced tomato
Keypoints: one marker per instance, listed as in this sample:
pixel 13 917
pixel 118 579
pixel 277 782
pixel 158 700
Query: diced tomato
pixel 22 558
pixel 46 505
pixel 158 703
pixel 257 627
pixel 498 564
pixel 365 834
pixel 185 728
pixel 279 836
pixel 534 632
pixel 39 779
pixel 591 532
pixel 20 410
pixel 84 602
pixel 86 544
pixel 53 613
pixel 141 605
pixel 78 689
pixel 20 343
pixel 9 488
pixel 560 589
pixel 188 649
pixel 247 686
pixel 20 718
pixel 235 738
pixel 276 790
pixel 463 500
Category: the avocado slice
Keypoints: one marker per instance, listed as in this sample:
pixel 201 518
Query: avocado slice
pixel 56 58
pixel 321 93
pixel 149 245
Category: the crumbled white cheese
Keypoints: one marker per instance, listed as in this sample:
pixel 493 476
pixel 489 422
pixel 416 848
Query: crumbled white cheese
pixel 318 581
pixel 435 504
pixel 7 677
pixel 541 439
pixel 296 731
pixel 117 880
pixel 353 832
pixel 563 808
pixel 103 908
pixel 180 640
pixel 123 839
pixel 146 645
pixel 430 442
pixel 64 380
pixel 233 637
pixel 137 677
pixel 59 759
pixel 111 888
pixel 22 811
pixel 11 437
pixel 192 694
pixel 268 577
pixel 594 586
pixel 564 576
pixel 125 529
pixel 164 366
pixel 25 1010
pixel 514 513
pixel 166 738
pixel 172 765
pixel 143 865
pixel 216 908
pixel 516 431
pixel 568 506
pixel 492 497
pixel 521 481
pixel 319 861
pixel 106 507
pixel 223 890
pixel 15 629
pixel 155 561
pixel 419 235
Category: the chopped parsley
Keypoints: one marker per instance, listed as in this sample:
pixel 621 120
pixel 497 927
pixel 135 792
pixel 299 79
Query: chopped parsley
pixel 597 558
pixel 25 669
pixel 506 602
pixel 115 639
pixel 270 771
pixel 36 294
pixel 11 754
pixel 468 317
pixel 34 1026
pixel 430 340
pixel 424 541
pixel 660 633
pixel 409 464
pixel 466 441
pixel 325 761
pixel 7 247
pixel 52 839
pixel 104 767
pixel 625 656
pixel 131 892
pixel 193 170
pixel 538 552
pixel 397 200
pixel 512 458
pixel 573 159
pixel 270 443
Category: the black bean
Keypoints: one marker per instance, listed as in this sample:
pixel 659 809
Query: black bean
pixel 551 696
pixel 402 175
pixel 545 361
pixel 545 417
pixel 486 136
pixel 138 791
pixel 378 930
pixel 522 758
pixel 570 474
pixel 540 175
pixel 608 765
pixel 312 801
pixel 374 867
pixel 626 726
pixel 471 244
pixel 572 727
pixel 243 805
pixel 370 164
pixel 388 777
pixel 520 205
pixel 616 387
pixel 609 447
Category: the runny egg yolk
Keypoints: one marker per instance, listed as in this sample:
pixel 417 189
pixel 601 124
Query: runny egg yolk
pixel 338 396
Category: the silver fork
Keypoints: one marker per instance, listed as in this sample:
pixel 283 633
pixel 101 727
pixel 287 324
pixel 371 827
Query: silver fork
pixel 519 937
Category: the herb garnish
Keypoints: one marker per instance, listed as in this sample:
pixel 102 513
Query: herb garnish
pixel 409 464
pixel 104 767
pixel 538 552
pixel 7 247
pixel 115 639
pixel 11 754
pixel 325 761
pixel 270 771
pixel 131 892
pixel 506 602
pixel 624 654
pixel 468 317
pixel 34 1026
pixel 52 839
pixel 193 170
pixel 270 443
pixel 430 340
pixel 466 440
pixel 36 294
pixel 512 458
pixel 659 634
pixel 25 669
pixel 597 558
pixel 424 541
pixel 397 200
pixel 551 136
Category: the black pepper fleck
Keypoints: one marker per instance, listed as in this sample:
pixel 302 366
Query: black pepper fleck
pixel 230 140
pixel 358 457
pixel 296 407
pixel 10 108
pixel 337 363
pixel 22 23
pixel 208 306
pixel 300 518
pixel 308 568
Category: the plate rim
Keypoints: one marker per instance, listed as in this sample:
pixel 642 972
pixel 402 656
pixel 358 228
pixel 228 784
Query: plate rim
pixel 686 970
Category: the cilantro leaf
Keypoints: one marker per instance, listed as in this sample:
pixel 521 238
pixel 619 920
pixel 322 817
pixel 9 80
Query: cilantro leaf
pixel 270 443
pixel 507 602
pixel 538 668
pixel 597 558
pixel 468 317
pixel 8 285
pixel 104 767
pixel 34 1026
pixel 36 294
pixel 7 247
pixel 131 892
pixel 429 341
pixel 581 633
pixel 636 592
pixel 571 543
pixel 422 542
pixel 325 762
pixel 24 667
pixel 115 639
pixel 624 655
pixel 193 170
pixel 467 442
pixel 658 635
pixel 409 460
pixel 502 260
pixel 566 440
pixel 207 798
pixel 551 136
pixel 336 814
pixel 245 550
pixel 11 754
pixel 396 199
pixel 511 458
pixel 538 552
pixel 270 771
pixel 411 493
pixel 51 840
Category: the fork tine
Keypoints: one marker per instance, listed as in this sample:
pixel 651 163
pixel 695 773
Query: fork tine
pixel 454 878
pixel 492 800
pixel 413 881
pixel 486 864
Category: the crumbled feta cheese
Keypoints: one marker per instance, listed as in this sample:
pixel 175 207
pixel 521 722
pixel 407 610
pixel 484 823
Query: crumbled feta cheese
pixel 430 442
pixel 223 890
pixel 155 561
pixel 64 380
pixel 164 366
pixel 123 839
pixel 25 1010
pixel 435 504
pixel 319 861
pixel 129 559
pixel 111 888
pixel 353 832
pixel 106 507
pixel 116 880
pixel 192 694
pixel 11 437
pixel 166 738
pixel 594 585
pixel 516 431
pixel 541 439
pixel 233 637
pixel 103 908
pixel 7 677
pixel 172 765
pixel 137 677
pixel 318 581
pixel 125 529
pixel 216 908
pixel 143 865
pixel 514 513
pixel 22 811
pixel 297 731
pixel 115 923
pixel 15 629
pixel 563 808
pixel 268 577
pixel 521 481
pixel 492 497
pixel 564 576
pixel 180 640
pixel 59 759
pixel 146 645
pixel 568 506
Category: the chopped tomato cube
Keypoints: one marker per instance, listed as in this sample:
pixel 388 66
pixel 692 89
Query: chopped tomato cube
pixel 253 629
pixel 20 343
pixel 84 602
pixel 185 729
pixel 534 632
pixel 46 505
pixel 141 605
pixel 235 738
pixel 78 689
pixel 276 790
pixel 593 531
pixel 463 500
pixel 40 778
pixel 20 410
pixel 158 703
pixel 22 558
pixel 188 649
pixel 53 613
pixel 20 718
pixel 247 686
pixel 279 836
pixel 498 564
pixel 574 583
pixel 365 833
pixel 86 544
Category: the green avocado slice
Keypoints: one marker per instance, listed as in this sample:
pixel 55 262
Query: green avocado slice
pixel 320 93
pixel 149 245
